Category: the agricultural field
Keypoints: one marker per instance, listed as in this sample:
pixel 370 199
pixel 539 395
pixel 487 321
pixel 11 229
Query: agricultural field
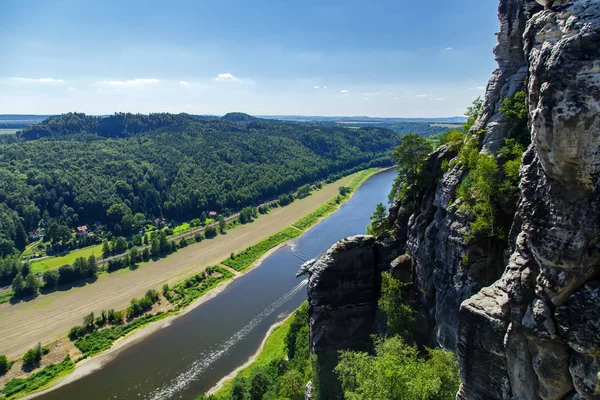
pixel 51 315
pixel 56 262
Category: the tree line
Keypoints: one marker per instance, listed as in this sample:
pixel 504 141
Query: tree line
pixel 124 170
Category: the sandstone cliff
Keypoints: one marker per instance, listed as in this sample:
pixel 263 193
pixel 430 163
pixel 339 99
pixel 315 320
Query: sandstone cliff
pixel 523 314
pixel 539 324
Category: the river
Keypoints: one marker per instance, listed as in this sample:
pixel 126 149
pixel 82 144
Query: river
pixel 191 355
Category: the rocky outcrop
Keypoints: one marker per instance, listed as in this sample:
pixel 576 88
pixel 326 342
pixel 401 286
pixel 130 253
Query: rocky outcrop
pixel 342 293
pixel 447 268
pixel 511 73
pixel 540 321
pixel 523 316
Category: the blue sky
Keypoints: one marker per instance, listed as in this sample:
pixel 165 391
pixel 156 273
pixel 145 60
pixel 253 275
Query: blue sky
pixel 388 58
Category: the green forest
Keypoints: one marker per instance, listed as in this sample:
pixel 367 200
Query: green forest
pixel 125 169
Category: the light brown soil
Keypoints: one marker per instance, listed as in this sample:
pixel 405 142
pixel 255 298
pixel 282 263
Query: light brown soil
pixel 50 316
pixel 58 351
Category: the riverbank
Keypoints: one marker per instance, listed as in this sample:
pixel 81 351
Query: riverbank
pixel 270 344
pixel 90 365
pixel 283 355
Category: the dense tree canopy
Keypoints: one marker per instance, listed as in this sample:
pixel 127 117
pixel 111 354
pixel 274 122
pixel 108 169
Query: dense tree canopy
pixel 75 169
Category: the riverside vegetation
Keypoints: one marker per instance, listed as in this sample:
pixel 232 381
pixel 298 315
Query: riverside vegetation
pixel 156 244
pixel 97 334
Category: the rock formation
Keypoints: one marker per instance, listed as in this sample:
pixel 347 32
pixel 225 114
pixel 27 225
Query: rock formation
pixel 342 303
pixel 523 316
pixel 540 322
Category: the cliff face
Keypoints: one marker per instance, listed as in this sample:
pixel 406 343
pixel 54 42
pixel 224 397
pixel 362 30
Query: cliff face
pixel 523 316
pixel 539 325
pixel 342 304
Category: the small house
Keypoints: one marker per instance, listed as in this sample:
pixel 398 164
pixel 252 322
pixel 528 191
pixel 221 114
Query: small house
pixel 213 214
pixel 35 235
pixel 82 231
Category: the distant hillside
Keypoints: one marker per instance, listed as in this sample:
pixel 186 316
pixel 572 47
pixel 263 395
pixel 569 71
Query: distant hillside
pixel 239 117
pixel 364 119
pixel 73 168
pixel 422 126
pixel 18 121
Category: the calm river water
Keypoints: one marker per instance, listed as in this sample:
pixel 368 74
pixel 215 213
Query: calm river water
pixel 190 356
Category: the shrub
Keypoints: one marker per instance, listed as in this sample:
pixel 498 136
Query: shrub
pixel 76 332
pixel 285 199
pixel 344 190
pixel 115 317
pixel 51 279
pixel 210 232
pixel 4 366
pixel 454 138
pixel 32 357
pixel 152 295
pixel 303 191
pixel 21 386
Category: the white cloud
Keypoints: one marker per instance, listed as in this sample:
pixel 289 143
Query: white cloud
pixel 448 49
pixel 366 98
pixel 183 82
pixel 315 87
pixel 324 87
pixel 131 82
pixel 422 95
pixel 480 88
pixel 344 91
pixel 72 88
pixel 226 77
pixel 41 80
pixel 440 99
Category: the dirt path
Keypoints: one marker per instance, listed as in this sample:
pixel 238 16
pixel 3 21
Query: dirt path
pixel 50 316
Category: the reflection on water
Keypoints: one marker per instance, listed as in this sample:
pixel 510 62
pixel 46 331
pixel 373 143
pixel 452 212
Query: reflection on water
pixel 191 355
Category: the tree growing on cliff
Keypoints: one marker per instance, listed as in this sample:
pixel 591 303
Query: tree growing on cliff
pixel 396 371
pixel 393 304
pixel 379 226
pixel 410 157
pixel 472 114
